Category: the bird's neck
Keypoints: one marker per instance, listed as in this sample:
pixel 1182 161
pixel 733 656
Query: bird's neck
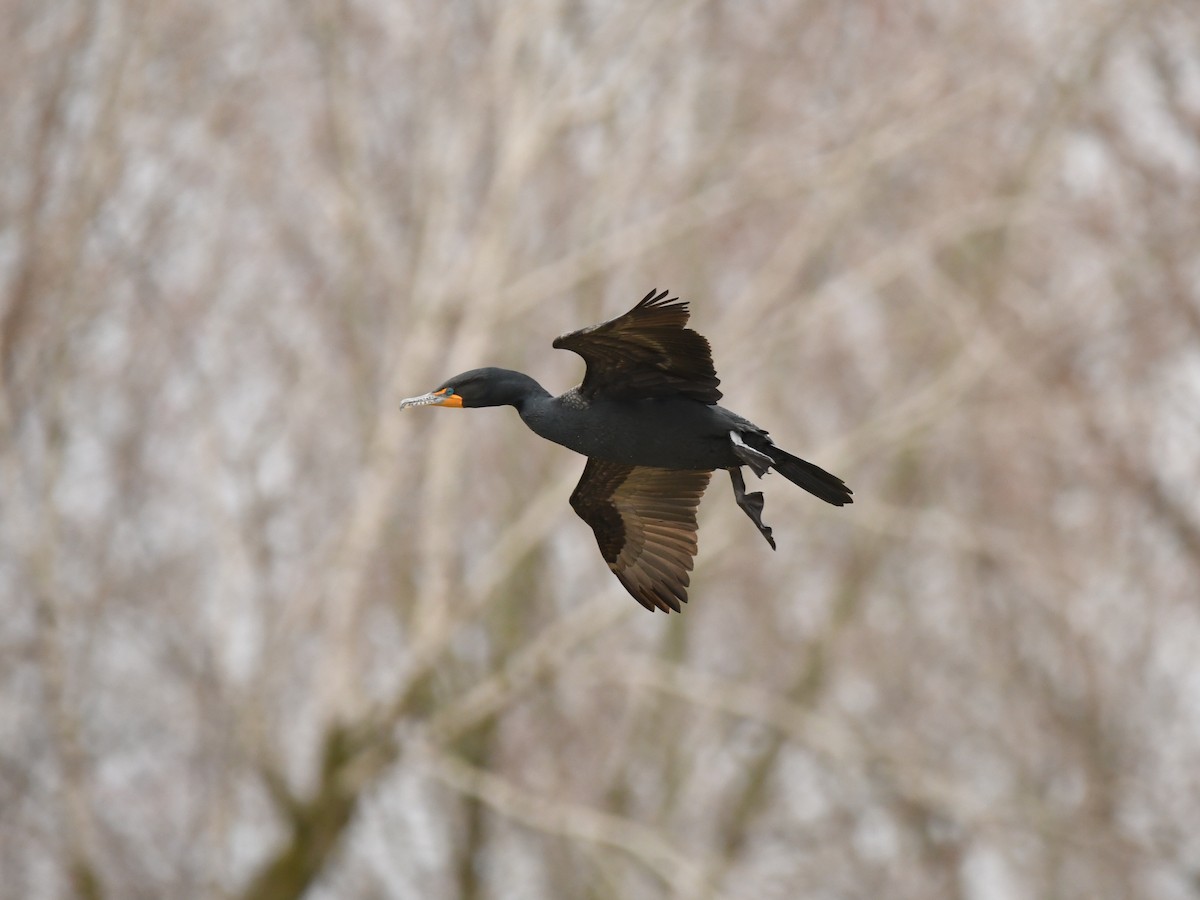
pixel 521 391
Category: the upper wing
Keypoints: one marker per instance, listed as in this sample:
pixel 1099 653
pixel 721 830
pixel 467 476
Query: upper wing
pixel 648 352
pixel 645 524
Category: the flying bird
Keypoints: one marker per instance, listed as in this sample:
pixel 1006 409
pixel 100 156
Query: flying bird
pixel 646 417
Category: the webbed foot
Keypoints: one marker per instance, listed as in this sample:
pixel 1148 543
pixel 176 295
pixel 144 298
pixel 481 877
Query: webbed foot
pixel 755 459
pixel 751 504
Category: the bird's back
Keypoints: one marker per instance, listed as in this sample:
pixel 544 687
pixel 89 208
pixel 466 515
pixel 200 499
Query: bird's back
pixel 667 433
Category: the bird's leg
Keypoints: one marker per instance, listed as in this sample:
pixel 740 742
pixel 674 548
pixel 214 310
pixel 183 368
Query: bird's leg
pixel 755 459
pixel 751 504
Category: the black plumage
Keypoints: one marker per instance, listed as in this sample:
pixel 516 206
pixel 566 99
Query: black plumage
pixel 647 418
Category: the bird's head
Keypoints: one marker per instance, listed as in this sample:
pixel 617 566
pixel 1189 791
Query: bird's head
pixel 479 387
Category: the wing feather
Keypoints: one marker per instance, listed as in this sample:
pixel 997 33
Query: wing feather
pixel 647 352
pixel 645 525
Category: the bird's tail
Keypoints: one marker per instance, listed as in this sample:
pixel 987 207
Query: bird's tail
pixel 801 472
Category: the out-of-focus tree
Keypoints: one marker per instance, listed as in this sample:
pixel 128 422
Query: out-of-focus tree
pixel 265 637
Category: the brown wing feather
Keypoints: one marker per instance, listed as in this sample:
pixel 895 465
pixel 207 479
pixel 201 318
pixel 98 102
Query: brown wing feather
pixel 648 352
pixel 645 524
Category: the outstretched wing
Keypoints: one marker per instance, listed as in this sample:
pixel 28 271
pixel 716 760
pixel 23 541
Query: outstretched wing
pixel 648 352
pixel 645 524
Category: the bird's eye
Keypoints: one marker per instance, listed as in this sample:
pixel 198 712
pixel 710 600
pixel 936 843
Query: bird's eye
pixel 449 392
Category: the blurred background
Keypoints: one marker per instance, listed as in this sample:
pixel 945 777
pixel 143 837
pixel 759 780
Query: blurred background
pixel 263 636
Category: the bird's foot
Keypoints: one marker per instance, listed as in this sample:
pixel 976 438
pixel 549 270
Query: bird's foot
pixel 751 504
pixel 755 459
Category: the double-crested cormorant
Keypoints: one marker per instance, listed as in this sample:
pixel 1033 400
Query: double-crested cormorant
pixel 647 419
